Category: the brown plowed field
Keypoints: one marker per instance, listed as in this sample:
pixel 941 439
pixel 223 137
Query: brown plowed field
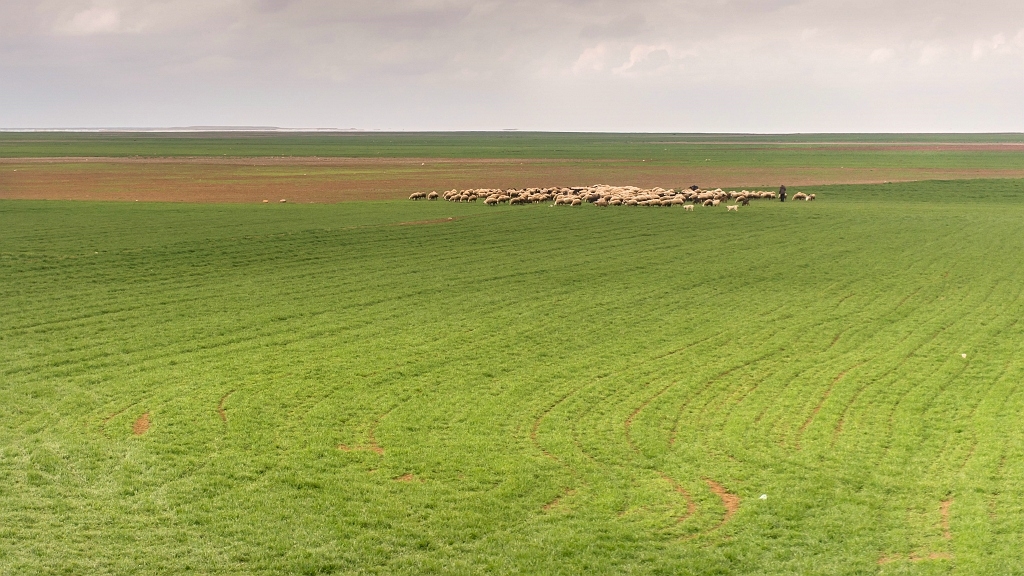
pixel 342 179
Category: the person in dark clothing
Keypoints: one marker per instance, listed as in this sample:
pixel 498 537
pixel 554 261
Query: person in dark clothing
pixel 782 193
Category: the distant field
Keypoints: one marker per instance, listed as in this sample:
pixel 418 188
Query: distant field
pixel 871 150
pixel 375 166
pixel 370 387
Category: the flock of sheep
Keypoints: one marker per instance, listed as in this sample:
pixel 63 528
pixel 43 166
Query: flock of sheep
pixel 604 195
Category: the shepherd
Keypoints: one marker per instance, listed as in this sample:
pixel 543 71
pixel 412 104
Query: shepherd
pixel 782 193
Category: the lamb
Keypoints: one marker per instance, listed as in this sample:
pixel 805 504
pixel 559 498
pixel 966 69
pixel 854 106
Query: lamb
pixel 733 208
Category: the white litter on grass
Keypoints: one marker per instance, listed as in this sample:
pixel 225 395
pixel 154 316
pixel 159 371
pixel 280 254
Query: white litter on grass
pixel 764 496
pixel 963 355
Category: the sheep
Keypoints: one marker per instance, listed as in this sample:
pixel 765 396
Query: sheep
pixel 605 195
pixel 809 198
pixel 733 208
pixel 799 196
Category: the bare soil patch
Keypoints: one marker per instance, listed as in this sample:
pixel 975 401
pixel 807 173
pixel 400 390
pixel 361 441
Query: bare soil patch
pixel 729 500
pixel 407 478
pixel 141 425
pixel 330 180
pixel 932 147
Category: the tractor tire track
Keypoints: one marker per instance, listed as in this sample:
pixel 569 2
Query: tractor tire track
pixel 673 434
pixel 535 427
pixel 220 407
pixel 371 435
pixel 627 425
pixel 840 423
pixel 371 445
pixel 103 425
pixel 730 502
pixel 947 534
pixel 824 398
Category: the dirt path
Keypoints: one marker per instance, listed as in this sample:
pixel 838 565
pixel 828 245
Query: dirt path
pixel 327 180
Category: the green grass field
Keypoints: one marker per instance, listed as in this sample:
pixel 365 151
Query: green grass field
pixel 725 150
pixel 528 390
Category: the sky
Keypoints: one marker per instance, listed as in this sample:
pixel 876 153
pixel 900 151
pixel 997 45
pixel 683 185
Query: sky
pixel 767 66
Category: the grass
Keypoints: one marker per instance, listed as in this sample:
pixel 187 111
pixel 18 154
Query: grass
pixel 550 387
pixel 726 150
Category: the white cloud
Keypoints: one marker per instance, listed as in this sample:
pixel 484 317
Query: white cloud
pixel 646 58
pixel 95 20
pixel 593 59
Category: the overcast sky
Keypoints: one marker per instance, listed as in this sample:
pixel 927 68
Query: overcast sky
pixel 593 65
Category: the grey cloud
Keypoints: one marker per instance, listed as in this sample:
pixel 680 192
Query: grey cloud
pixel 565 64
